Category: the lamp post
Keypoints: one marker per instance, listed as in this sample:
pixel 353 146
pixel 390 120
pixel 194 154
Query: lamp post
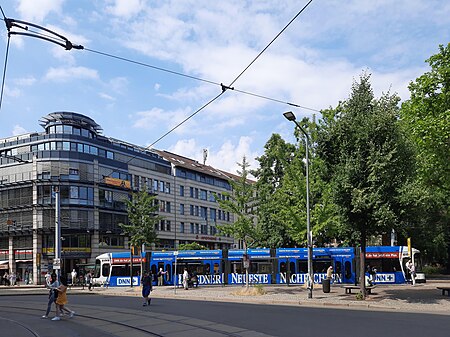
pixel 291 117
pixel 57 259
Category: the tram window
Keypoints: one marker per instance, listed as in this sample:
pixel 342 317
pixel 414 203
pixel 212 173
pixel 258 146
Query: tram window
pixel 169 272
pixel 153 269
pixel 216 268
pixel 292 267
pixel 302 267
pixel 105 269
pixel 283 267
pixel 120 271
pixel 338 267
pixel 260 267
pixel 321 266
pixel 348 269
pixel 236 267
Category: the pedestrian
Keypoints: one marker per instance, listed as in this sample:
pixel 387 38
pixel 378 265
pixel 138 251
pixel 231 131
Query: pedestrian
pixel 61 300
pixel 412 270
pixel 146 283
pixel 52 284
pixel 48 279
pixel 6 278
pixel 330 272
pixel 161 276
pixel 74 276
pixel 89 280
pixel 27 277
pixel 12 279
pixel 186 279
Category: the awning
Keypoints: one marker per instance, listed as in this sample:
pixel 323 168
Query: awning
pixel 4 262
pixel 23 261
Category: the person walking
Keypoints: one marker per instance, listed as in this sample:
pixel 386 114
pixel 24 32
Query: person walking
pixel 161 276
pixel 186 279
pixel 61 300
pixel 412 270
pixel 330 272
pixel 6 278
pixel 146 283
pixel 51 284
pixel 74 277
pixel 89 280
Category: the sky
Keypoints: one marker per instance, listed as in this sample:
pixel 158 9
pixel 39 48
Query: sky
pixel 313 64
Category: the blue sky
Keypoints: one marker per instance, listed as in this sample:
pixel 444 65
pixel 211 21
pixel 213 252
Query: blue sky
pixel 313 64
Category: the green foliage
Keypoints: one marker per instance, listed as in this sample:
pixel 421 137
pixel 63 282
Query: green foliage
pixel 142 219
pixel 272 227
pixel 192 246
pixel 240 203
pixel 366 160
pixel 426 117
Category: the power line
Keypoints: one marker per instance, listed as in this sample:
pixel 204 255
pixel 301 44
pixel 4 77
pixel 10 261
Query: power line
pixel 150 66
pixel 273 40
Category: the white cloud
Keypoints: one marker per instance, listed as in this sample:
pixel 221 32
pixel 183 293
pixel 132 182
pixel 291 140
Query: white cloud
pixel 118 84
pixel 163 120
pixel 226 157
pixel 12 92
pixel 71 73
pixel 106 96
pixel 125 8
pixel 157 86
pixel 25 81
pixel 18 130
pixel 36 11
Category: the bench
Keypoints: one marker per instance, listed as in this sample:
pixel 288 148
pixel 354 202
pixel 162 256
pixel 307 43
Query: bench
pixel 348 289
pixel 444 289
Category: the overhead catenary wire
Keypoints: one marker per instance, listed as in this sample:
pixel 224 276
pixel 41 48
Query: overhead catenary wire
pixel 63 40
pixel 224 87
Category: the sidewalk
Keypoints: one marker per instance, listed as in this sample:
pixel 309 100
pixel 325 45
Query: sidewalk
pixel 406 298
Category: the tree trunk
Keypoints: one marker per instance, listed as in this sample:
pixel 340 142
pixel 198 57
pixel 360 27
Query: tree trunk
pixel 362 264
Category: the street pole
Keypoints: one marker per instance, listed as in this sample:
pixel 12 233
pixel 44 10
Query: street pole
pixel 310 281
pixel 57 232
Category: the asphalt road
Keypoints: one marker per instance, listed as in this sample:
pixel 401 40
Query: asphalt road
pixel 269 319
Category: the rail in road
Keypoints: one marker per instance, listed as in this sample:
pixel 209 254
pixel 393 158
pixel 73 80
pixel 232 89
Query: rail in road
pixel 25 321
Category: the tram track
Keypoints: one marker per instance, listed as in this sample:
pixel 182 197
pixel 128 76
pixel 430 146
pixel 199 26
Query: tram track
pixel 25 327
pixel 126 314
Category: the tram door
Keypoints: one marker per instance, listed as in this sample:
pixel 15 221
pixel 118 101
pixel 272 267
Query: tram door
pixel 343 270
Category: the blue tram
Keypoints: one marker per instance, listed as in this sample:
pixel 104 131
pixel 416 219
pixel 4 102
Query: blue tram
pixel 265 266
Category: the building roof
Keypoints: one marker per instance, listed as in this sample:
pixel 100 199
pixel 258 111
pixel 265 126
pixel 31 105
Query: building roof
pixel 71 118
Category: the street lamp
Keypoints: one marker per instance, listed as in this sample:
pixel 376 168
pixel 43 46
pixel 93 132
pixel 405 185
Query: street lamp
pixel 291 117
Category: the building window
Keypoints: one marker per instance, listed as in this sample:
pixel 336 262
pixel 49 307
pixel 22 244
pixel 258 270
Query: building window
pixel 155 185
pixel 192 228
pixel 203 194
pixel 191 210
pixel 191 192
pixel 204 212
pixel 181 209
pixel 181 227
pixel 204 229
pixel 167 188
pixel 161 186
pixel 181 191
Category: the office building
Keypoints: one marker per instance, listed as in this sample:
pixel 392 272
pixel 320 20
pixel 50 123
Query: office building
pixel 94 176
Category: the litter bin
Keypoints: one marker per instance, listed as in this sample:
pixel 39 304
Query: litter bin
pixel 326 283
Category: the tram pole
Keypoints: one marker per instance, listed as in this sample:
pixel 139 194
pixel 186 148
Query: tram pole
pixel 57 259
pixel 310 281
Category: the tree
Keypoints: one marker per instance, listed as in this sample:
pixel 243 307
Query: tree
pixel 272 229
pixel 191 246
pixel 142 218
pixel 367 163
pixel 426 116
pixel 241 203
